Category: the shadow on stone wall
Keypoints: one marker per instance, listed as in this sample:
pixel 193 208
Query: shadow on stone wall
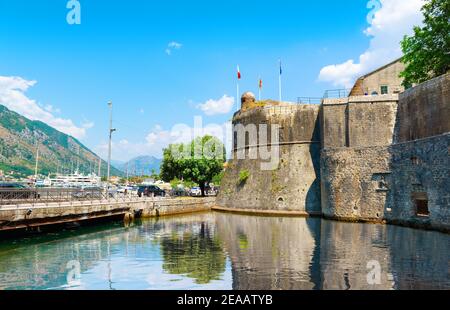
pixel 313 196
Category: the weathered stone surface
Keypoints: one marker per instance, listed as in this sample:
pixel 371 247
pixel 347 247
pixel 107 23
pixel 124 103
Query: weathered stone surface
pixel 350 184
pixel 247 100
pixel 293 186
pixel 365 173
pixel 424 111
pixel 420 167
pixel 388 76
pixel 294 183
pixel 379 183
pixel 376 178
pixel 359 121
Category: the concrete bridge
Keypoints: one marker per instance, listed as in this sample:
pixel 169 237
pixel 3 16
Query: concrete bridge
pixel 34 215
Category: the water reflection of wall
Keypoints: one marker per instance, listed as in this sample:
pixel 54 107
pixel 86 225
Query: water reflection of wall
pixel 346 251
pixel 270 253
pixel 408 258
pixel 419 259
pixel 265 253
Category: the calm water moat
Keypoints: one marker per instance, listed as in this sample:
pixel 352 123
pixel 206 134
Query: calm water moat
pixel 226 251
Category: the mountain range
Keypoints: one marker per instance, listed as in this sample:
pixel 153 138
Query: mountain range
pixel 142 165
pixel 20 138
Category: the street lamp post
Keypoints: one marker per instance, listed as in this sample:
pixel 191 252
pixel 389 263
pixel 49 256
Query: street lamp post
pixel 111 130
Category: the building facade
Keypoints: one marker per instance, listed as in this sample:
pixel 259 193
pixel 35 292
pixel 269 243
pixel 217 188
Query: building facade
pixel 383 81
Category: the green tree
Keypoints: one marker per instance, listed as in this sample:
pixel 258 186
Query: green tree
pixel 427 52
pixel 170 167
pixel 199 161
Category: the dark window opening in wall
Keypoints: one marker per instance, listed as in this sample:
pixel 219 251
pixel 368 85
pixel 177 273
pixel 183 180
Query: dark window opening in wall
pixel 422 207
pixel 382 181
pixel 384 90
pixel 415 160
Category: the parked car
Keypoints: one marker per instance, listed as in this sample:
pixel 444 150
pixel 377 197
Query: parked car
pixel 179 192
pixel 17 191
pixel 150 190
pixel 195 192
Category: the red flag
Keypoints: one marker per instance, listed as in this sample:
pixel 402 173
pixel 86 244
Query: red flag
pixel 260 84
pixel 238 73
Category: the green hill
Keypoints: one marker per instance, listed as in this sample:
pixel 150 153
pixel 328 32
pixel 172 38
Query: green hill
pixel 58 152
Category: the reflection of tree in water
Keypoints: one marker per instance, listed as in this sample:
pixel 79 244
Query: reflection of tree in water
pixel 196 254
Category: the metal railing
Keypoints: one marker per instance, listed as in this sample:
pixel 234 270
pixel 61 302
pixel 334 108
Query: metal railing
pixel 33 196
pixel 43 196
pixel 309 100
pixel 336 93
pixel 331 93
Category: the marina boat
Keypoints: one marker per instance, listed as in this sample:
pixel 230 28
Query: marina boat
pixel 74 180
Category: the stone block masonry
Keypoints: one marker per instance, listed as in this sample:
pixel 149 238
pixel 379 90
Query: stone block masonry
pixel 381 158
pixel 424 111
pixel 358 121
pixel 380 184
pixel 294 184
pixel 352 183
pixel 420 174
pixel 396 170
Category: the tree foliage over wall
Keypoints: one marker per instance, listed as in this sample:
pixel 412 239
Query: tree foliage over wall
pixel 427 52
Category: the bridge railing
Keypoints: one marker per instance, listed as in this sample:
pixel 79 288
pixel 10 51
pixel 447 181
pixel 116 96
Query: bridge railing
pixel 44 196
pixel 35 196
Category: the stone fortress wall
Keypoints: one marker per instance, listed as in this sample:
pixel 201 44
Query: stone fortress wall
pixel 294 185
pixel 395 161
pixel 378 158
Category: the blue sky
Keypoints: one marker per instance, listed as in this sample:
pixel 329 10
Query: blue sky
pixel 119 53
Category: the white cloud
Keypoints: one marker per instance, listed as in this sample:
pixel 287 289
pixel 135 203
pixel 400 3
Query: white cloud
pixel 395 19
pixel 51 109
pixel 87 124
pixel 159 138
pixel 214 107
pixel 12 95
pixel 173 46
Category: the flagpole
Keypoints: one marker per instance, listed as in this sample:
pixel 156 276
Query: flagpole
pixel 279 82
pixel 237 87
pixel 237 94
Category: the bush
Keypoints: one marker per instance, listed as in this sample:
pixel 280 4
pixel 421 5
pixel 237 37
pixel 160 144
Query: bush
pixel 243 176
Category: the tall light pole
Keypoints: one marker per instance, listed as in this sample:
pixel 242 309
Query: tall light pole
pixel 36 164
pixel 111 130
